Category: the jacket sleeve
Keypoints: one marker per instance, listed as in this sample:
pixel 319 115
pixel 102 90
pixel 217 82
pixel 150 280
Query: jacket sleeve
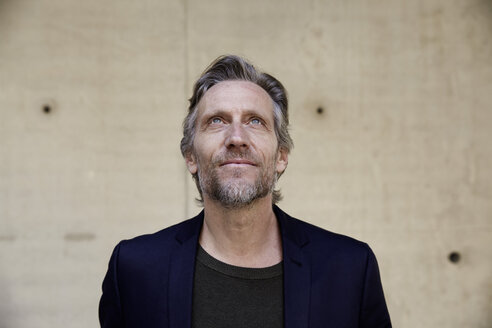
pixel 374 313
pixel 110 314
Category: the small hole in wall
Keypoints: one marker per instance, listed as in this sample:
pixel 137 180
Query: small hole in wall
pixel 454 257
pixel 320 110
pixel 46 109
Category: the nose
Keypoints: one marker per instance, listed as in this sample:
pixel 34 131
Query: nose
pixel 237 137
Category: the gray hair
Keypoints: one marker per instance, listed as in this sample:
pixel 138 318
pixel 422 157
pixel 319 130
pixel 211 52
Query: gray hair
pixel 230 68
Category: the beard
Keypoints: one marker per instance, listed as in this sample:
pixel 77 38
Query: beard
pixel 234 191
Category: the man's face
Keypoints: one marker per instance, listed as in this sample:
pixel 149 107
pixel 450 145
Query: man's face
pixel 235 150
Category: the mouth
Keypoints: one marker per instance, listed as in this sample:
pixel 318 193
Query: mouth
pixel 238 162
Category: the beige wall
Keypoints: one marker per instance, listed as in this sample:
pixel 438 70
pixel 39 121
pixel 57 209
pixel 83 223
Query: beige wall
pixel 400 156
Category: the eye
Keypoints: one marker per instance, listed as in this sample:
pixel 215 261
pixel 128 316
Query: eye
pixel 255 121
pixel 216 120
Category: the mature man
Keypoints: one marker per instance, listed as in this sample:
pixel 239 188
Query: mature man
pixel 241 262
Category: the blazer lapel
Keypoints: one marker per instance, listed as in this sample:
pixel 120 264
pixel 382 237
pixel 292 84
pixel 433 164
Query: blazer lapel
pixel 181 272
pixel 297 273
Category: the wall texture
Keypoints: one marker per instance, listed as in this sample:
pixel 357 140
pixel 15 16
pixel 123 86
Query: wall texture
pixel 391 117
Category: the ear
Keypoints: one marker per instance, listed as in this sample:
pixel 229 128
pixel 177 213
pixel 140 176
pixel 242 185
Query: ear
pixel 191 163
pixel 282 160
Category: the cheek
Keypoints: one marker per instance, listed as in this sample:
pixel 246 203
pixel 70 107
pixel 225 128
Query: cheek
pixel 204 155
pixel 265 142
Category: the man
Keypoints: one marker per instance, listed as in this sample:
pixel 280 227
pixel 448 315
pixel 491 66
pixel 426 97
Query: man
pixel 241 262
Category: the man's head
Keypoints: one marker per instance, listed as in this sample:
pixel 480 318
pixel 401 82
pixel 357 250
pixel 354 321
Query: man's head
pixel 236 115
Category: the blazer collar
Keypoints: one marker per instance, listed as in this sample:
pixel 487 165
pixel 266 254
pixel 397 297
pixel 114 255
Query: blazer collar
pixel 181 270
pixel 290 228
pixel 297 272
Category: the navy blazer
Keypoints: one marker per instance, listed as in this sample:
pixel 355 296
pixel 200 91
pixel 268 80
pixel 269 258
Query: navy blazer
pixel 330 280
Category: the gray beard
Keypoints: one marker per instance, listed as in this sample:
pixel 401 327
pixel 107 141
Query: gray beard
pixel 236 193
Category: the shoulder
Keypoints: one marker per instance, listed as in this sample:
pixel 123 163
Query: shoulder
pixel 319 241
pixel 160 243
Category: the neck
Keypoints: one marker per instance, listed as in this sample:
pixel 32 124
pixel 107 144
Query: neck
pixel 248 236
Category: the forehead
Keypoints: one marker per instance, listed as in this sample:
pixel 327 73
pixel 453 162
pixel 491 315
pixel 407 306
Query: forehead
pixel 236 95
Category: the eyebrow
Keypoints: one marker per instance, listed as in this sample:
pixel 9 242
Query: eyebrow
pixel 223 112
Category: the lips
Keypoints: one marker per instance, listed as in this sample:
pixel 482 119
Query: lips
pixel 238 161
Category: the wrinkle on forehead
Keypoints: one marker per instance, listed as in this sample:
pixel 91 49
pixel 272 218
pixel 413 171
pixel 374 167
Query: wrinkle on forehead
pixel 244 95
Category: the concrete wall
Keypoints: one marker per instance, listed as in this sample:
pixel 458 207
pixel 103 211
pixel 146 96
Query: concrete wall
pixel 92 95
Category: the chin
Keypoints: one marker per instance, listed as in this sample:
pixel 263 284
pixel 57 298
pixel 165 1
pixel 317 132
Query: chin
pixel 237 182
pixel 237 174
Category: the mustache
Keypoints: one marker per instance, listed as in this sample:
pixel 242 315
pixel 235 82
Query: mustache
pixel 234 155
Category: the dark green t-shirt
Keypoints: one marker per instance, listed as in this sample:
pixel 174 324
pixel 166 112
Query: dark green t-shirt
pixel 230 296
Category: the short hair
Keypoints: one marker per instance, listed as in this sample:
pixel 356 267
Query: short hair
pixel 235 68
